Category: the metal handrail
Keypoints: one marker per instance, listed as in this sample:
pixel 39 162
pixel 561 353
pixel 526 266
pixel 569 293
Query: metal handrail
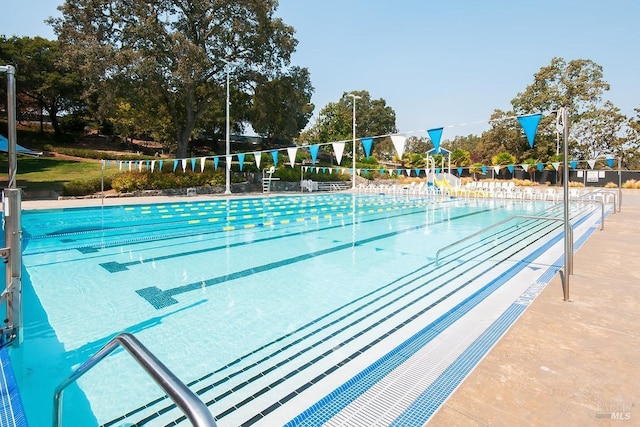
pixel 616 197
pixel 182 396
pixel 511 218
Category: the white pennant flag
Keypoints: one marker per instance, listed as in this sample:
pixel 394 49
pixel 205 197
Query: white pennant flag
pixel 330 171
pixel 130 164
pixel 228 161
pixel 591 163
pixel 305 168
pixel 153 165
pixel 398 143
pixel 140 166
pixel 525 167
pixel 338 149
pixel 257 156
pixel 183 162
pixel 497 169
pixel 408 172
pixel 202 160
pixel 556 165
pixel 292 155
pixel 358 171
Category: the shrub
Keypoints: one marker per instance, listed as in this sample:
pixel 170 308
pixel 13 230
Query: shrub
pixel 127 182
pixel 83 187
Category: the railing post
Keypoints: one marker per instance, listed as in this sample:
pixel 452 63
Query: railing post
pixel 13 274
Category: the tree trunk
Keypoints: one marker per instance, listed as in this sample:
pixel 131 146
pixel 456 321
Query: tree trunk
pixel 53 116
pixel 183 133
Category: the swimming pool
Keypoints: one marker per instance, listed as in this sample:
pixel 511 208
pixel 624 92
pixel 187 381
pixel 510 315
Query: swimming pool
pixel 275 310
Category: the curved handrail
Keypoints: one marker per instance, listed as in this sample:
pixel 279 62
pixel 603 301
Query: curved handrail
pixel 182 396
pixel 616 196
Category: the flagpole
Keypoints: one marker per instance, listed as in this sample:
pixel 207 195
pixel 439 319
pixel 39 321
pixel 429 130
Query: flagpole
pixel 353 172
pixel 565 184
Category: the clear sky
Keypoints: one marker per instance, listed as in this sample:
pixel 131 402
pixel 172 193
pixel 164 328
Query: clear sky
pixel 443 63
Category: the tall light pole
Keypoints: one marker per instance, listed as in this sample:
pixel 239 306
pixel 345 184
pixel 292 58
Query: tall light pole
pixel 227 161
pixel 353 172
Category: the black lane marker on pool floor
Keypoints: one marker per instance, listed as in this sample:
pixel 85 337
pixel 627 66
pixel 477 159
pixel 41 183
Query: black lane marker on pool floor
pixel 114 266
pixel 161 299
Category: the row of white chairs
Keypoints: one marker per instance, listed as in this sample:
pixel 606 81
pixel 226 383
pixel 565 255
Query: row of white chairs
pixel 484 189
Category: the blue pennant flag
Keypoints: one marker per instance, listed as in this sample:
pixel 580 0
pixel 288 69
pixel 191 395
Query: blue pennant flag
pixel 459 171
pixel 510 167
pixel 437 170
pixel 241 160
pixel 366 143
pixel 274 155
pixel 435 135
pixel 365 170
pixel 193 163
pixel 381 171
pixel 530 124
pixel 324 169
pixel 175 165
pixel 574 164
pixel 610 162
pixel 540 166
pixel 417 172
pixel 314 152
pixel 484 170
pixel 161 163
pixel 215 163
pixel 148 164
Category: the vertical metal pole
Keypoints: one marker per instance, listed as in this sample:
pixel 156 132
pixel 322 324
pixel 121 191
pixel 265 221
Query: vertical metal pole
pixel 11 123
pixel 353 149
pixel 227 145
pixel 102 180
pixel 619 183
pixel 568 244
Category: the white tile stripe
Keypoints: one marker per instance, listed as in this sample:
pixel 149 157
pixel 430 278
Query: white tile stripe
pixel 7 407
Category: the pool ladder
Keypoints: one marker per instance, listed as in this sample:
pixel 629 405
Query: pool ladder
pixel 195 410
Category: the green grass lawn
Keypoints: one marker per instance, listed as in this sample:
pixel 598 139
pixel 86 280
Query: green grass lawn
pixel 50 173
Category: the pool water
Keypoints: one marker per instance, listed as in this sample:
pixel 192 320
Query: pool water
pixel 226 293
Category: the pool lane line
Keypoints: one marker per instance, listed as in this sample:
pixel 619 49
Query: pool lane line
pixel 509 230
pixel 304 202
pixel 140 240
pixel 159 298
pixel 114 266
pixel 181 220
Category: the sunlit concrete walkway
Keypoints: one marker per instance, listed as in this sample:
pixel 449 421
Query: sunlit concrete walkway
pixel 573 363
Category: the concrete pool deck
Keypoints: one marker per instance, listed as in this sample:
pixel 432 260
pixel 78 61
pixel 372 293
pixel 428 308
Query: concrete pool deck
pixel 561 363
pixel 570 363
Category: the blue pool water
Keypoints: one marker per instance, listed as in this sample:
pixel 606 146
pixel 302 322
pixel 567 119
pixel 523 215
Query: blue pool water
pixel 248 301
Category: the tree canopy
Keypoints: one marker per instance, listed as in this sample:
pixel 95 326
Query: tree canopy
pixel 41 81
pixel 173 52
pixel 373 118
